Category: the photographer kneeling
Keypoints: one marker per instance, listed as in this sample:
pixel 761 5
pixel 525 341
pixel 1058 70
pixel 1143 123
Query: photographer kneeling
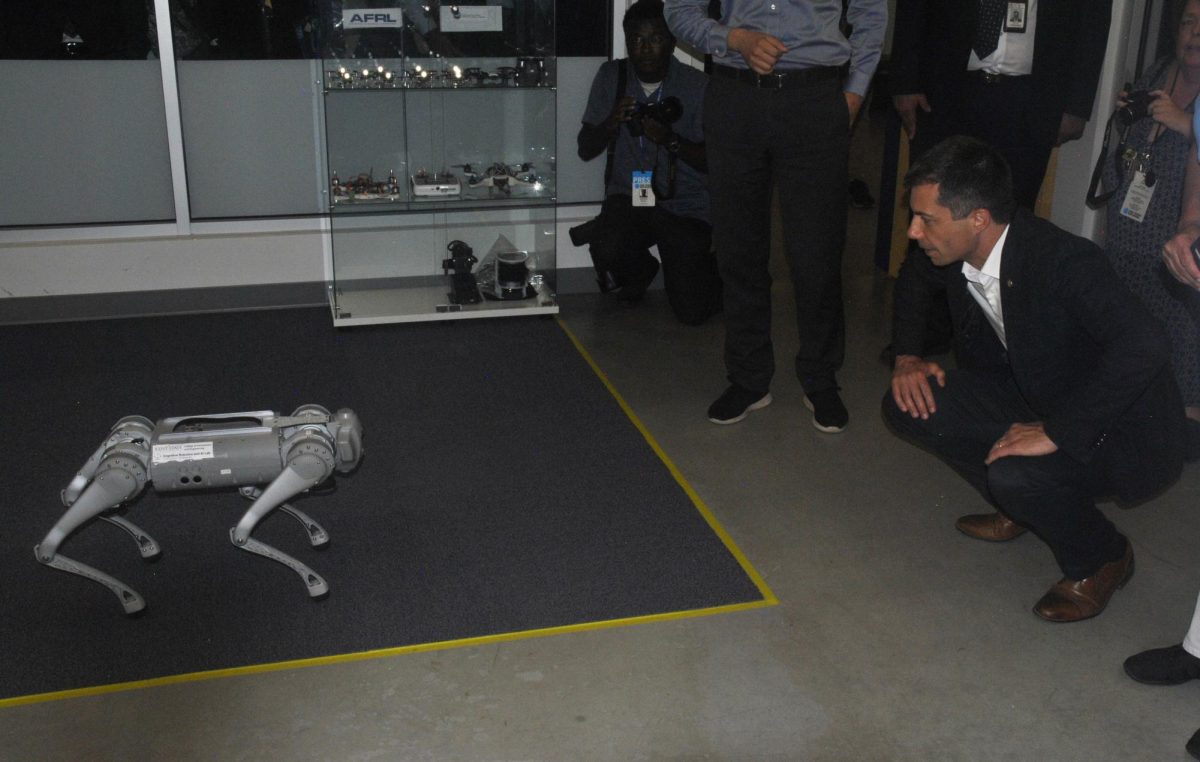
pixel 646 112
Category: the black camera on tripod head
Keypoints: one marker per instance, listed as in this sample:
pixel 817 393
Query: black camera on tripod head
pixel 464 288
pixel 667 112
pixel 1137 106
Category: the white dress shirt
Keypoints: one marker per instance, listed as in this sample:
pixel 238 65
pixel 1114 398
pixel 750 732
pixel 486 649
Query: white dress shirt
pixel 984 286
pixel 1013 55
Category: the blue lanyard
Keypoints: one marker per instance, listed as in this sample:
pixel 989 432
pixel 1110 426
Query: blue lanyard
pixel 642 138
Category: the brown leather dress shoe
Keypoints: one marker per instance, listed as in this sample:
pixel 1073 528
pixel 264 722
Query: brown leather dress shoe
pixel 1071 600
pixel 992 527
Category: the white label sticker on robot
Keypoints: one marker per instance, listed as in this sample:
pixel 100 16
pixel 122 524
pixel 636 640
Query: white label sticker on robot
pixel 165 453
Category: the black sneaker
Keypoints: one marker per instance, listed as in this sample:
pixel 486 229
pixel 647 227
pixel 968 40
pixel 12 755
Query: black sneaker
pixel 1163 666
pixel 735 404
pixel 1193 745
pixel 829 414
pixel 635 285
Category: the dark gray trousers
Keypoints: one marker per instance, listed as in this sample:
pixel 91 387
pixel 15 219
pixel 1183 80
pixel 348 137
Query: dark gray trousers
pixel 1052 495
pixel 796 140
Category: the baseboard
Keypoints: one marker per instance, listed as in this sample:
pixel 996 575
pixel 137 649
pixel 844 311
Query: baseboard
pixel 51 309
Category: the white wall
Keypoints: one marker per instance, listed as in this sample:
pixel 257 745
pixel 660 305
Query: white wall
pixel 54 262
pixel 152 258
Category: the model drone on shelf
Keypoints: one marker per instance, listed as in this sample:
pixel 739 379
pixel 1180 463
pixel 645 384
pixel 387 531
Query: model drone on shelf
pixel 365 187
pixel 435 184
pixel 269 457
pixel 370 75
pixel 503 177
pixel 528 72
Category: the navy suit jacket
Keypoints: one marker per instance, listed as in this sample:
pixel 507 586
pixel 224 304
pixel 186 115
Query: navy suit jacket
pixel 1088 358
pixel 931 44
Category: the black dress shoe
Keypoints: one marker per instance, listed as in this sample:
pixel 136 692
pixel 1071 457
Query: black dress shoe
pixel 1163 666
pixel 1193 745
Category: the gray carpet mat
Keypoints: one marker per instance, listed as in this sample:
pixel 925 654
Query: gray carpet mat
pixel 502 490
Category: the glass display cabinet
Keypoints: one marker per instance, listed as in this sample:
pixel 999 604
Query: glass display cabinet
pixel 440 137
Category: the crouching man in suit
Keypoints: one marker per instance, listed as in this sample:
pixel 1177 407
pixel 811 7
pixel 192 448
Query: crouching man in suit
pixel 1064 390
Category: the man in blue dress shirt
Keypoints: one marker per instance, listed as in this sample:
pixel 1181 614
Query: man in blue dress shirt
pixel 786 85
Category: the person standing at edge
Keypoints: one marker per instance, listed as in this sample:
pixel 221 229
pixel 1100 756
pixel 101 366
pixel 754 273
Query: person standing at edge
pixel 778 111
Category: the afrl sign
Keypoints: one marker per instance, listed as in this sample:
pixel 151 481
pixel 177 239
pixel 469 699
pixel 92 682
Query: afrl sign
pixel 367 18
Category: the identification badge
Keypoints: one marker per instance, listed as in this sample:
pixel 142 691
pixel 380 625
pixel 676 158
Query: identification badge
pixel 1137 200
pixel 1014 19
pixel 643 189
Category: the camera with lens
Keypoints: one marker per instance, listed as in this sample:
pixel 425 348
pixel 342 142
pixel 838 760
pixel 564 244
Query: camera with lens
pixel 460 262
pixel 461 259
pixel 1137 106
pixel 667 112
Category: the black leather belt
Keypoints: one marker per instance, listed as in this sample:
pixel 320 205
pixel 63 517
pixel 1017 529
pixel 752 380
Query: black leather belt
pixel 988 78
pixel 779 80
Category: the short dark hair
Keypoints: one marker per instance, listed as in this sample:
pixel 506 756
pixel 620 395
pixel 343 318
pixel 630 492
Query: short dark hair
pixel 645 10
pixel 970 175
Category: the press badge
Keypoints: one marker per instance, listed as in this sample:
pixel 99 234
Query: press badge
pixel 1014 20
pixel 643 189
pixel 1137 200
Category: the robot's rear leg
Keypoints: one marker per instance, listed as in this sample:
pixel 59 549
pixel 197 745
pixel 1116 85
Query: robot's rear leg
pixel 119 478
pixel 130 600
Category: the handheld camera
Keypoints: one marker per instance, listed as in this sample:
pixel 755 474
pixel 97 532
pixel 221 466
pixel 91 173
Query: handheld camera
pixel 1137 106
pixel 667 112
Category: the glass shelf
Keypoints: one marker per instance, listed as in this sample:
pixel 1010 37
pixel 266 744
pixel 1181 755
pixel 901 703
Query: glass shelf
pixel 440 132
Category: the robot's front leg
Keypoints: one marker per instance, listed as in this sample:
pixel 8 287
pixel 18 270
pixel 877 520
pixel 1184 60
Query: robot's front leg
pixel 308 466
pixel 119 477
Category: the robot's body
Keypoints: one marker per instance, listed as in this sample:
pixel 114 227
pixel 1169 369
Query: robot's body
pixel 288 454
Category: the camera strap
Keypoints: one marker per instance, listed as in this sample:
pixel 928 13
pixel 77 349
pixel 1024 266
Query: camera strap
pixel 622 81
pixel 1096 200
pixel 669 193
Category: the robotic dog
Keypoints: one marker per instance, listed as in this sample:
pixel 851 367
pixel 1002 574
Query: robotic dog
pixel 293 453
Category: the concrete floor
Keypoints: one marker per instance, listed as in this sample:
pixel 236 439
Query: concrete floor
pixel 896 638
